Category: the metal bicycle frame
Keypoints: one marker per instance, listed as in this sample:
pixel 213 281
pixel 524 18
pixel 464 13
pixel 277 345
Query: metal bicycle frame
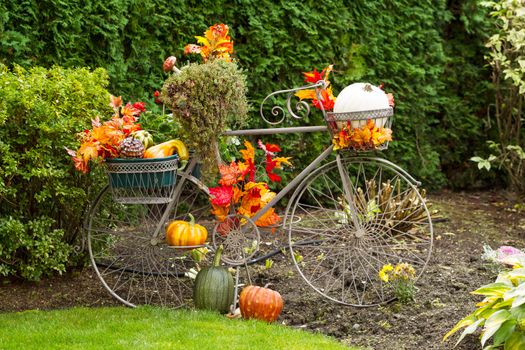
pixel 276 111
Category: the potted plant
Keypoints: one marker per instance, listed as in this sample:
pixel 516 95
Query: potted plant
pixel 207 97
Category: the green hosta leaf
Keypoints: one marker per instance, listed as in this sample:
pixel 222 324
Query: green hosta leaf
pixel 493 323
pixel 506 303
pixel 518 313
pixel 504 332
pixel 493 289
pixel 515 341
pixel 470 329
pixel 467 321
pixel 520 300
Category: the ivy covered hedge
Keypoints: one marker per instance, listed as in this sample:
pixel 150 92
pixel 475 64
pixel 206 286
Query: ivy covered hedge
pixel 428 53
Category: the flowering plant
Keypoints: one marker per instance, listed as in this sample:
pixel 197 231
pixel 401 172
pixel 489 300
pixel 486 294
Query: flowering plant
pixel 402 277
pixel 214 44
pixel 506 255
pixel 104 139
pixel 238 187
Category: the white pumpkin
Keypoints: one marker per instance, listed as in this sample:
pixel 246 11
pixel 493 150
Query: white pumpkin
pixel 360 97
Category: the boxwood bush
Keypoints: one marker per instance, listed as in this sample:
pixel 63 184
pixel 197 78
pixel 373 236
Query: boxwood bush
pixel 42 198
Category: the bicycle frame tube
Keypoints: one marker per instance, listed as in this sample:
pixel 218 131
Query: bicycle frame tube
pixel 272 131
pixel 293 183
pixel 174 199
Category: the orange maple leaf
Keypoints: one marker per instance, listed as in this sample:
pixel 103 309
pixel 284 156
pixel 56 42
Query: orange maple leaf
pixel 248 154
pixel 268 219
pixel 229 174
pixel 362 136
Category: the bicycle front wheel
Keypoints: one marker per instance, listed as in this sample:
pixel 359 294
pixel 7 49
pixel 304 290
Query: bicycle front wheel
pixel 340 241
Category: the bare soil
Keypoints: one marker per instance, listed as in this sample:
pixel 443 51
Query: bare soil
pixel 470 220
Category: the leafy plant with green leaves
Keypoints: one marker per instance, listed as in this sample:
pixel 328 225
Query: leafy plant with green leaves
pixel 43 199
pixel 507 59
pixel 501 315
pixel 205 99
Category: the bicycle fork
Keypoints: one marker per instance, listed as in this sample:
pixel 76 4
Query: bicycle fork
pixel 349 197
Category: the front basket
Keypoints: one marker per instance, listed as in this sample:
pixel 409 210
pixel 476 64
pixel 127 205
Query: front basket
pixel 139 180
pixel 382 118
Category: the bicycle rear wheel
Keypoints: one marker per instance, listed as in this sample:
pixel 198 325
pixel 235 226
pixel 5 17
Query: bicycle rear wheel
pixel 339 247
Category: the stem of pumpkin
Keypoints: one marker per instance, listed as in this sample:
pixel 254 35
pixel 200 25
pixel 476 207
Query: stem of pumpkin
pixel 192 219
pixel 217 257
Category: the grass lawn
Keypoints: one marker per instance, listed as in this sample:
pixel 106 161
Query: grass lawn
pixel 148 328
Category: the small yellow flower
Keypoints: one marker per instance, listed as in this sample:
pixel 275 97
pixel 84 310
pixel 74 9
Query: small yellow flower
pixel 404 271
pixel 383 274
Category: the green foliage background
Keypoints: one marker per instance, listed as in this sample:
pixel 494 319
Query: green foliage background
pixel 428 53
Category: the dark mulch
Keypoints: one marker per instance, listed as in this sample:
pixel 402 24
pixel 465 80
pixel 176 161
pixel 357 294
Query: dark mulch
pixel 455 269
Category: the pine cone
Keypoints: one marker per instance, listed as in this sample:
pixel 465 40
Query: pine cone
pixel 131 148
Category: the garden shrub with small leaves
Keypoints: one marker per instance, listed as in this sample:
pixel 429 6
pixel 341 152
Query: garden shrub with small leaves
pixel 43 200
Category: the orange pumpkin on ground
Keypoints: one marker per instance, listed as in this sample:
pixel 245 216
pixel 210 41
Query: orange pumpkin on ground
pixel 182 233
pixel 260 303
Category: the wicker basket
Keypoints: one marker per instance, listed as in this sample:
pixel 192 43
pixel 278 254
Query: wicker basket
pixel 138 180
pixel 381 117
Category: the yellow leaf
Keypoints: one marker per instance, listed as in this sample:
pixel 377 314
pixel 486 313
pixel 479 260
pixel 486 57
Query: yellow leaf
pixel 202 40
pixel 306 94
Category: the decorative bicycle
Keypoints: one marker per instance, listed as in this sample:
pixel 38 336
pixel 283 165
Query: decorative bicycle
pixel 345 220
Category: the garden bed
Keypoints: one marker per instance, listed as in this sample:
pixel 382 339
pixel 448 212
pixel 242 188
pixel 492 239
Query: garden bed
pixel 455 269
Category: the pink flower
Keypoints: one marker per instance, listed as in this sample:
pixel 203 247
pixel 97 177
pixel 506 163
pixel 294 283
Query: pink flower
pixel 504 251
pixel 169 64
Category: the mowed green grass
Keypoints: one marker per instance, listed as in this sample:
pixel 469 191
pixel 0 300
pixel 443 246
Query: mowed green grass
pixel 148 328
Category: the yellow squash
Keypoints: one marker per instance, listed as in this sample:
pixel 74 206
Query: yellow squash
pixel 167 149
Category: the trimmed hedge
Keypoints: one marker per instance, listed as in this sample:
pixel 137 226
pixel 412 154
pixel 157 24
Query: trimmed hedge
pixel 429 53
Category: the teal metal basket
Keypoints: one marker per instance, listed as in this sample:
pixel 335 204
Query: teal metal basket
pixel 141 180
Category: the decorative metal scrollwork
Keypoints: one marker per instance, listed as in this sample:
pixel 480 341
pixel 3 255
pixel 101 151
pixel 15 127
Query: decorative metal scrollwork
pixel 300 110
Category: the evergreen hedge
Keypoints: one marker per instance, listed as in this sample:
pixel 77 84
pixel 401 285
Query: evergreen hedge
pixel 428 52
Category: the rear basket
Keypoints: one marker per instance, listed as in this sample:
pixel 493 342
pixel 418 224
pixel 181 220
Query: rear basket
pixel 139 180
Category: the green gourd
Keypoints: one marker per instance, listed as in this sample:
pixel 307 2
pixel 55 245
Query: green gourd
pixel 213 288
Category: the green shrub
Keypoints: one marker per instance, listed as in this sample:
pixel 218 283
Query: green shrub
pixel 500 316
pixel 43 199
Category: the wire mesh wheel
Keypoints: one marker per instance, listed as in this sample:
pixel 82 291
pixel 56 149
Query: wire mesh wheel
pixel 239 237
pixel 339 247
pixel 133 266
